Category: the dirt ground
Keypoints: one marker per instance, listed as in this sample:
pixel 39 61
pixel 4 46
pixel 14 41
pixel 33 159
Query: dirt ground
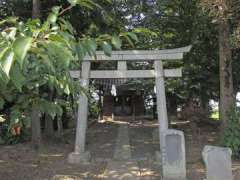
pixel 21 162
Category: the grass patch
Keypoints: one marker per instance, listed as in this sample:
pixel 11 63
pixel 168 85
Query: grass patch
pixel 215 115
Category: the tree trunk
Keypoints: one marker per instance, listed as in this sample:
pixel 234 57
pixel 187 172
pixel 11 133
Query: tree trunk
pixel 36 9
pixel 36 128
pixel 225 70
pixel 49 126
pixel 35 114
pixel 154 108
pixel 59 127
pixel 48 119
pixel 100 105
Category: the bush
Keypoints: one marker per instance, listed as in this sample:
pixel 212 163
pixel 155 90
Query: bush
pixel 231 137
pixel 14 129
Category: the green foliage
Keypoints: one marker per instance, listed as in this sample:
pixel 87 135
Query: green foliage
pixel 15 128
pixel 107 48
pixel 93 105
pixel 7 59
pixel 20 47
pixel 116 41
pixel 173 24
pixel 231 137
pixel 84 3
pixel 215 115
pixel 35 59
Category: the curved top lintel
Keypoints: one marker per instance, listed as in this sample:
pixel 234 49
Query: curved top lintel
pixel 148 54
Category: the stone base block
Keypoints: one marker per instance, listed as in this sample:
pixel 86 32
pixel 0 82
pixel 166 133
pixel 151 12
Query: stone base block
pixel 79 158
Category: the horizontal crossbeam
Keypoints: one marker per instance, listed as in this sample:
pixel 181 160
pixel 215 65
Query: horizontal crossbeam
pixel 128 74
pixel 141 55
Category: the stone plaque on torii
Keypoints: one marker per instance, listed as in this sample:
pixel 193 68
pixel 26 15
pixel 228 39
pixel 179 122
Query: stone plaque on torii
pixel 80 155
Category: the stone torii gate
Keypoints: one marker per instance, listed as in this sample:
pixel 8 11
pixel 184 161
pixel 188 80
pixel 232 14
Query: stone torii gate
pixel 80 155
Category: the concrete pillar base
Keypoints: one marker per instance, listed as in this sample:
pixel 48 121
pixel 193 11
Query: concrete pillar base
pixel 79 158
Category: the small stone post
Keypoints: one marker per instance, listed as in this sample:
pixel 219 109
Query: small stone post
pixel 173 155
pixel 218 163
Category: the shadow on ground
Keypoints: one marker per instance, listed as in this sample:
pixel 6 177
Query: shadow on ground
pixel 22 163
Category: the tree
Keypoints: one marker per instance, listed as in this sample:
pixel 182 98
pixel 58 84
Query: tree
pixel 35 114
pixel 179 23
pixel 220 11
pixel 35 59
pixel 226 78
pixel 36 9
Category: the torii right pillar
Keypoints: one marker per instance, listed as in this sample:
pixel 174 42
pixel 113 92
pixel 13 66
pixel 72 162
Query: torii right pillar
pixel 161 98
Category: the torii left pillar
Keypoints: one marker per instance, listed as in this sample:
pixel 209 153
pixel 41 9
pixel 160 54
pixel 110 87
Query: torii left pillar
pixel 80 155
